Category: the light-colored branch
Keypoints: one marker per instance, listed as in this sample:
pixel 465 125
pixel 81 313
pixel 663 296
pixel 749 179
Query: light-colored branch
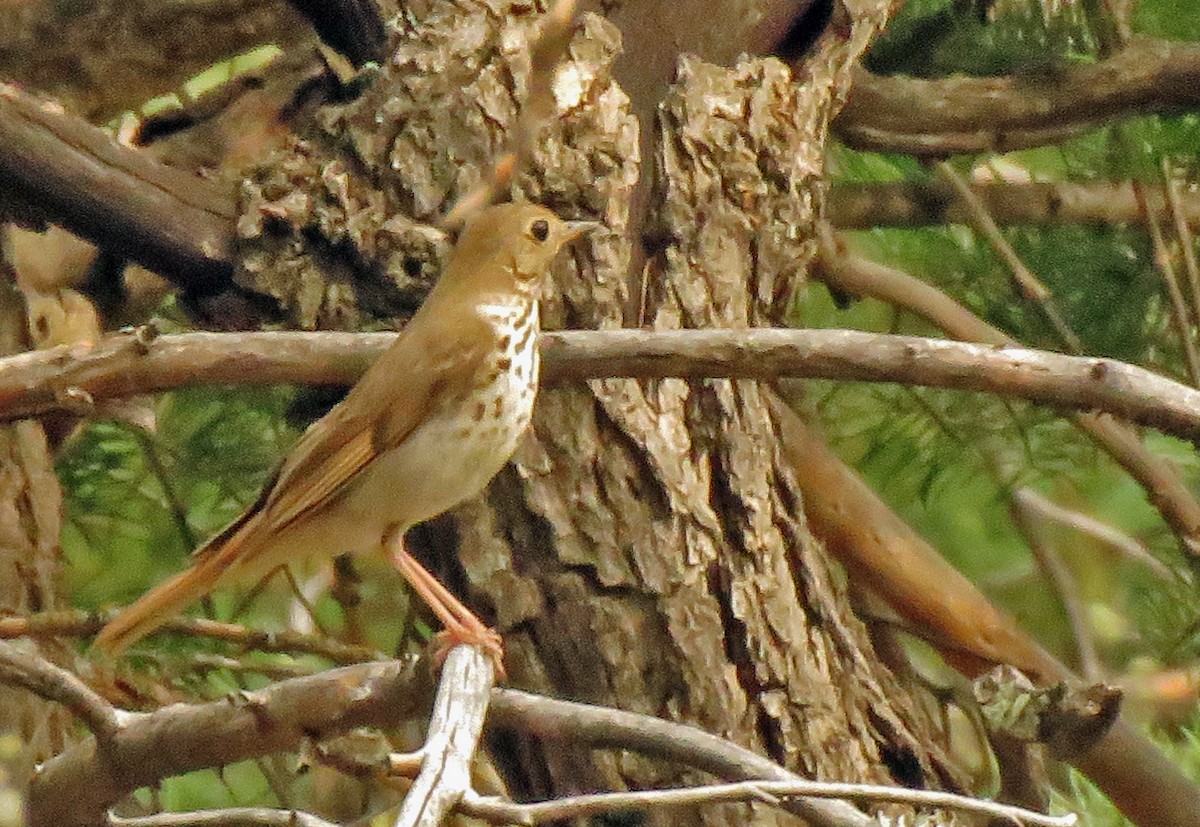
pixel 1098 530
pixel 61 378
pixel 770 792
pixel 1062 582
pixel 604 728
pixel 454 730
pixel 227 817
pixel 33 672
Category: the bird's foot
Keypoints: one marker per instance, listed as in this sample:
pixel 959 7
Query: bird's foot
pixel 471 635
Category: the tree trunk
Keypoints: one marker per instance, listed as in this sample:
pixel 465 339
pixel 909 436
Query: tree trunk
pixel 647 548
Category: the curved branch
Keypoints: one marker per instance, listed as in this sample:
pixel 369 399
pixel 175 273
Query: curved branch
pixel 962 114
pixel 64 379
pixel 42 678
pixel 275 719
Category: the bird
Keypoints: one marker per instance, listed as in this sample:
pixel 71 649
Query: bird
pixel 428 425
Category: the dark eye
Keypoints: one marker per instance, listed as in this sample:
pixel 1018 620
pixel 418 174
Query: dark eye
pixel 540 229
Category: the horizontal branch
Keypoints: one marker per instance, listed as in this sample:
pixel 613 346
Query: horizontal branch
pixel 78 623
pixel 929 203
pixel 766 792
pixel 71 379
pixel 968 114
pixel 226 817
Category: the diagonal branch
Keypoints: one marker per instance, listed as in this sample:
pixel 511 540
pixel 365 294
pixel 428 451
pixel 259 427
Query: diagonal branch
pixel 59 168
pixel 39 676
pixel 65 379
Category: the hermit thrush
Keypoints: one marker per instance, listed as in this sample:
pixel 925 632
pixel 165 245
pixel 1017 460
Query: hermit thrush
pixel 427 426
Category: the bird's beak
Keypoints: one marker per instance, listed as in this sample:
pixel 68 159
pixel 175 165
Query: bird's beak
pixel 575 229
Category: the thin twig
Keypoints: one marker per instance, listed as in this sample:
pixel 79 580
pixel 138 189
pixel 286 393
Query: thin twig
pixel 547 48
pixel 1063 583
pixel 1100 531
pixel 1030 285
pixel 1184 234
pixel 583 806
pixel 1179 308
pixel 75 623
pixel 33 672
pixel 226 817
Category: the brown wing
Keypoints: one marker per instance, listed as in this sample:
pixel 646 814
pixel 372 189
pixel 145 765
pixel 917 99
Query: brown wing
pixel 393 397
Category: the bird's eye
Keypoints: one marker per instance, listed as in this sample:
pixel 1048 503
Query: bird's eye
pixel 540 229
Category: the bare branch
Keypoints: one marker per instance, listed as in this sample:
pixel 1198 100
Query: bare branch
pixel 228 817
pixel 599 727
pixel 454 729
pixel 276 719
pixel 61 169
pixel 58 379
pixel 41 677
pixel 927 203
pixel 1098 530
pixel 936 118
pixel 77 623
pixel 771 792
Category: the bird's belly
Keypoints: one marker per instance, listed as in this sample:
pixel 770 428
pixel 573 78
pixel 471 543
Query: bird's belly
pixel 442 463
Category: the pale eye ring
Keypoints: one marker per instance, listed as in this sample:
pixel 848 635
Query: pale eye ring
pixel 540 229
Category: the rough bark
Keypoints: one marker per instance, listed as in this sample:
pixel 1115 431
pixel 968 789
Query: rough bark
pixel 647 548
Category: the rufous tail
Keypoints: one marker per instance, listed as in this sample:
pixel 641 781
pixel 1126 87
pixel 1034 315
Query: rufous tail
pixel 155 608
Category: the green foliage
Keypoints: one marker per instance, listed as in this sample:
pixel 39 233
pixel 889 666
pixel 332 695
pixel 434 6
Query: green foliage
pixel 931 38
pixel 137 504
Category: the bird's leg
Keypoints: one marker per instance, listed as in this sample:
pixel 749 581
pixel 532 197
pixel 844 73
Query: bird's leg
pixel 461 624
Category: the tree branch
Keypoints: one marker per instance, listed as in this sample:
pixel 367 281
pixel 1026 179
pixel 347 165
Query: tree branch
pixel 930 203
pixel 78 623
pixel 36 674
pixel 936 118
pixel 605 728
pixel 59 168
pixel 768 792
pixel 125 364
pixel 454 729
pixel 276 719
pixel 226 817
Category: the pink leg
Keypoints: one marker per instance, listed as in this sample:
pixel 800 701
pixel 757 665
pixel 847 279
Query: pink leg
pixel 461 624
